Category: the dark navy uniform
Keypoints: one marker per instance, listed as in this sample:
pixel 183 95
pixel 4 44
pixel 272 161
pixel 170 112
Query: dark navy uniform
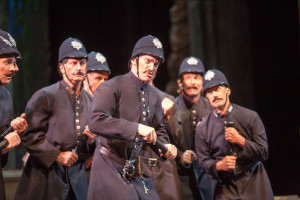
pixel 181 127
pixel 162 171
pixel 119 105
pixel 55 120
pixel 7 48
pixel 250 179
pixel 6 116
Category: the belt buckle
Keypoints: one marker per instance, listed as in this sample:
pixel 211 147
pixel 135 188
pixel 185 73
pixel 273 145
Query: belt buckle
pixel 152 162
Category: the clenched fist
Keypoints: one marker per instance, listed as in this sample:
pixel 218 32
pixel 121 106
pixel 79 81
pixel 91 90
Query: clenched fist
pixel 172 151
pixel 232 136
pixel 187 158
pixel 227 164
pixel 148 133
pixel 19 124
pixel 67 158
pixel 91 136
pixel 167 105
pixel 13 140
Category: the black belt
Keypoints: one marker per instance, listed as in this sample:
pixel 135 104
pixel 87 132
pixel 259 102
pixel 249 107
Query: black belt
pixel 127 168
pixel 151 162
pixel 155 162
pixel 111 155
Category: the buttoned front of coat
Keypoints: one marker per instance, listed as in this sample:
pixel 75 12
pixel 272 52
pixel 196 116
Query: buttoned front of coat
pixel 252 182
pixel 182 135
pixel 6 115
pixel 119 105
pixel 55 120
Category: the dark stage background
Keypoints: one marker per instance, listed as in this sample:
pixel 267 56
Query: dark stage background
pixel 112 27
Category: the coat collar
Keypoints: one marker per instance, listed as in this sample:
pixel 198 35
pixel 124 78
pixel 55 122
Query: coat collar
pixel 139 84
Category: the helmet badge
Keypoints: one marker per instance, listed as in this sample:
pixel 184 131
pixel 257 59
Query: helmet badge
pixel 192 61
pixel 76 45
pixel 6 41
pixel 209 75
pixel 12 41
pixel 100 58
pixel 157 43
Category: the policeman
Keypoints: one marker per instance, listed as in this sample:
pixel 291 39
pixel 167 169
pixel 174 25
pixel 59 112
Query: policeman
pixel 8 67
pixel 54 138
pixel 97 72
pixel 127 115
pixel 231 143
pixel 162 170
pixel 191 107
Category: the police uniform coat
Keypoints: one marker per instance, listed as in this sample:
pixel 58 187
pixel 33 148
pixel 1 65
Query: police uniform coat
pixel 182 135
pixel 55 120
pixel 6 116
pixel 116 112
pixel 250 179
pixel 164 171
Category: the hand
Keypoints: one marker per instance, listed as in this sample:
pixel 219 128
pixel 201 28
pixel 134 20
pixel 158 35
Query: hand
pixel 232 136
pixel 228 163
pixel 91 136
pixel 13 140
pixel 88 162
pixel 67 158
pixel 167 105
pixel 172 151
pixel 19 124
pixel 187 158
pixel 148 133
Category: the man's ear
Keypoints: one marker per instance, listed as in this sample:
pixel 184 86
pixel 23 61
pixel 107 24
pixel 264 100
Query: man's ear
pixel 62 69
pixel 179 83
pixel 229 92
pixel 133 61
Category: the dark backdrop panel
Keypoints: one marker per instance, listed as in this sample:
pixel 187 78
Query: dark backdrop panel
pixel 111 27
pixel 274 29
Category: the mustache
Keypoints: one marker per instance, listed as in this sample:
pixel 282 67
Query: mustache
pixel 149 71
pixel 79 73
pixel 192 87
pixel 217 99
pixel 10 74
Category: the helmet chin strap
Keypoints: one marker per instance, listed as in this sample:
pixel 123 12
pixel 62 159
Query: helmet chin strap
pixel 137 66
pixel 224 106
pixel 87 80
